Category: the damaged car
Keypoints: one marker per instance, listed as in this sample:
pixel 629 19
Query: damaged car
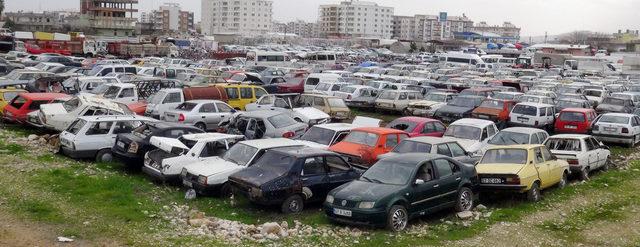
pixel 286 103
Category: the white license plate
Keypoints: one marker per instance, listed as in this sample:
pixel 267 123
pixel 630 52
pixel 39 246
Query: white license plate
pixel 610 129
pixel 522 119
pixel 121 144
pixel 483 116
pixel 187 183
pixel 491 181
pixel 571 127
pixel 342 212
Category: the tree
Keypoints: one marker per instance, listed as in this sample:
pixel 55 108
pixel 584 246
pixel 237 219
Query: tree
pixel 9 24
pixel 413 47
pixel 422 49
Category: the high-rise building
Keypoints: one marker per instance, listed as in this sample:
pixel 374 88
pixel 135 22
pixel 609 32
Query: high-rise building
pixel 507 30
pixel 170 18
pixel 242 17
pixel 429 27
pixel 299 27
pixel 110 17
pixel 355 19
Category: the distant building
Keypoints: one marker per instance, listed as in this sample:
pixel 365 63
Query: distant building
pixel 507 30
pixel 355 18
pixel 53 21
pixel 429 27
pixel 299 27
pixel 110 17
pixel 168 18
pixel 241 17
pixel 627 36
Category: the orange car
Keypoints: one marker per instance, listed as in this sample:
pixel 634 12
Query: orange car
pixel 363 145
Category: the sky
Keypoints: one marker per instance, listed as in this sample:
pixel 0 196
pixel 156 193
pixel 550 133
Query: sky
pixel 535 17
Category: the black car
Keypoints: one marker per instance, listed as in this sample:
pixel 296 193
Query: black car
pixel 132 147
pixel 399 188
pixel 290 177
pixel 460 107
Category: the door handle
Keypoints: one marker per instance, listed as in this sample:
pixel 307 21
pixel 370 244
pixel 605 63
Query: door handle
pixel 305 179
pixel 436 186
pixel 203 117
pixel 458 179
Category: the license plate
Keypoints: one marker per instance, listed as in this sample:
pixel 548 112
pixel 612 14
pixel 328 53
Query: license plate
pixel 610 129
pixel 342 212
pixel 523 119
pixel 483 116
pixel 491 180
pixel 121 144
pixel 187 183
pixel 571 127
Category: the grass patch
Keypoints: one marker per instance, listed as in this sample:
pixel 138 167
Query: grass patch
pixel 11 148
pixel 38 210
pixel 386 117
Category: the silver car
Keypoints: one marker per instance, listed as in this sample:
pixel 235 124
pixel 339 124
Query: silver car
pixel 264 124
pixel 203 114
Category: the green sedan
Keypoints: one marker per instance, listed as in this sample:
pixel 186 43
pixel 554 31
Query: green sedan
pixel 397 189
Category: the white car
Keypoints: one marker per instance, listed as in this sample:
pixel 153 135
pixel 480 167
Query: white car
pixel 430 104
pixel 203 114
pixel 534 115
pixel 166 162
pixel 397 100
pixel 58 116
pixel 583 153
pixel 352 91
pixel 286 103
pixel 621 128
pixel 516 136
pixel 596 96
pixel 471 133
pixel 94 136
pixel 325 135
pixel 329 88
pixel 212 175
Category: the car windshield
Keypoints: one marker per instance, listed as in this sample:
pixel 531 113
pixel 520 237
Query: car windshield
pixel 335 102
pixel 394 173
pixel 463 102
pixel 614 119
pixel 463 132
pixel 186 106
pixel 530 99
pixel 112 92
pixel 436 97
pixel 572 116
pixel 76 126
pixel 509 138
pixel 276 162
pixel 361 137
pixel 388 95
pixel 622 96
pixel 348 89
pixel 95 70
pixel 493 104
pixel 407 146
pixel 568 104
pixel 525 110
pixel 505 156
pixel 240 154
pixel 593 93
pixel 318 135
pixel 323 87
pixel 374 84
pixel 401 124
pixel 504 96
pixel 281 121
pixel 71 104
pixel 613 101
pixel 563 144
pixel 156 98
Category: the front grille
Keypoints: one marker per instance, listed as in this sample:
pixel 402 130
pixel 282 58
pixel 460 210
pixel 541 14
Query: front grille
pixel 348 203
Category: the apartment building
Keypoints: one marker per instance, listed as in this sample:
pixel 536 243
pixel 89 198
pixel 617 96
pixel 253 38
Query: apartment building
pixel 507 29
pixel 299 27
pixel 110 17
pixel 355 18
pixel 429 27
pixel 241 17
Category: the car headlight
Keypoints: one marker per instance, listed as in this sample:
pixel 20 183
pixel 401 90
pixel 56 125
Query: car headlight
pixel 183 173
pixel 133 147
pixel 366 205
pixel 255 192
pixel 329 199
pixel 202 179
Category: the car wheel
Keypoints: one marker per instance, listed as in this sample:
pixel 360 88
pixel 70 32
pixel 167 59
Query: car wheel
pixel 293 204
pixel 607 164
pixel 563 180
pixel 465 200
pixel 225 190
pixel 201 126
pixel 584 174
pixel 104 155
pixel 533 195
pixel 397 218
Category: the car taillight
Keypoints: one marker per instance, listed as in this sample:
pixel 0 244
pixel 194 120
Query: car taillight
pixel 625 131
pixel 572 162
pixel 288 134
pixel 181 118
pixel 512 180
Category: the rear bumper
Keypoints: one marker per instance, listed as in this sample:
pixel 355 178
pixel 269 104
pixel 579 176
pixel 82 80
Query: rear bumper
pixel 502 187
pixel 614 138
pixel 157 175
pixel 78 154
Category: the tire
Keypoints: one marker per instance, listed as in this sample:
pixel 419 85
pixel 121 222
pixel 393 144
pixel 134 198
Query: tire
pixel 533 195
pixel 104 155
pixel 293 204
pixel 564 180
pixel 465 200
pixel 397 218
pixel 584 174
pixel 225 190
pixel 607 164
pixel 201 126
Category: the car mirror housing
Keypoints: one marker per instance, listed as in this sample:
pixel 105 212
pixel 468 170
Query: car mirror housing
pixel 419 182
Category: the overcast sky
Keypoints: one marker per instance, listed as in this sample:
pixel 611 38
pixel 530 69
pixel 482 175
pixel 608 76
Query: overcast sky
pixel 533 16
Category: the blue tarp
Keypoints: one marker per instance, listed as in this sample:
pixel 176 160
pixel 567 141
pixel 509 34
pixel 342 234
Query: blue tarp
pixel 367 64
pixel 492 46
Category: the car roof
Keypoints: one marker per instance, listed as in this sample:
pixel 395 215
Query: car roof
pixel 336 126
pixel 577 110
pixel 413 158
pixel 526 146
pixel 305 152
pixel 261 114
pixel 432 139
pixel 534 104
pixel 210 136
pixel 203 101
pixel 618 114
pixel 524 130
pixel 480 123
pixel 116 118
pixel 271 143
pixel 105 103
pixel 417 119
pixel 379 130
pixel 44 96
pixel 570 136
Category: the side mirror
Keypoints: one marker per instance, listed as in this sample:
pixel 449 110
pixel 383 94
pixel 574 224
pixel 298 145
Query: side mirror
pixel 233 111
pixel 419 182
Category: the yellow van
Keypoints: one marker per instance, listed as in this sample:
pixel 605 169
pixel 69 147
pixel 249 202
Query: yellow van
pixel 242 94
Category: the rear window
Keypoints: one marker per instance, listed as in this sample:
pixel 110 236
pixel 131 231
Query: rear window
pixel 361 137
pixel 76 126
pixel 35 105
pixel 494 104
pixel 18 102
pixel 400 124
pixel 525 110
pixel 614 119
pixel 281 121
pixel 572 116
pixel 187 106
pixel 563 144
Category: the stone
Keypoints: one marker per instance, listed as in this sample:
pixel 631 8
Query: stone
pixel 64 239
pixel 257 236
pixel 465 215
pixel 487 214
pixel 270 228
pixel 198 222
pixel 272 237
pixel 32 137
pixel 284 225
pixel 197 215
pixel 481 207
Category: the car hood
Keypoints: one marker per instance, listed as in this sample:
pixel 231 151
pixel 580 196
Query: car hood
pixel 610 107
pixel 53 109
pixel 488 111
pixel 499 168
pixel 311 113
pixel 454 109
pixel 358 190
pixel 313 144
pixel 255 176
pixel 425 103
pixel 212 166
pixel 167 144
pixel 470 146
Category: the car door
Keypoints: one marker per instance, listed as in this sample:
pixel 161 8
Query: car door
pixel 314 178
pixel 543 168
pixel 449 176
pixel 601 153
pixel 97 136
pixel 636 128
pixel 207 114
pixel 250 132
pixel 591 153
pixel 223 111
pixel 425 192
pixel 555 169
pixel 264 103
pixel 338 171
pixel 443 149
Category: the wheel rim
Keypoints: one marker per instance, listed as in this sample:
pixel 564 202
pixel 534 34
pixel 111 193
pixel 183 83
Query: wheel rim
pixel 201 126
pixel 465 200
pixel 563 181
pixel 535 193
pixel 294 206
pixel 399 220
pixel 106 157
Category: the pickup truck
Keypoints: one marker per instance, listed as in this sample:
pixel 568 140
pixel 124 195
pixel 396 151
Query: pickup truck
pixel 135 91
pixel 172 154
pixel 170 98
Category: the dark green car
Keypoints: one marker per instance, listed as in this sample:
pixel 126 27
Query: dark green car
pixel 397 189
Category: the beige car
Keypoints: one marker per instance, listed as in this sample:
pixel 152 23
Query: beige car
pixel 397 100
pixel 334 106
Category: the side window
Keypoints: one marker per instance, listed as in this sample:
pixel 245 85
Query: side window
pixel 223 107
pixel 439 127
pixel 392 141
pixel 246 93
pixel 125 127
pixel 106 71
pixel 336 165
pixel 546 154
pixel 281 103
pixel 541 112
pixel 429 128
pixel 542 136
pixel 425 173
pixel 484 134
pixel 260 92
pixel 172 98
pixel 89 112
pixel 456 150
pixel 535 139
pixel 412 96
pixel 313 166
pixel 595 142
pixel 403 96
pixel 443 167
pixel 208 108
pixel 340 137
pixel 132 70
pixel 492 130
pixel 590 145
pixel 127 92
pixel 538 156
pixel 335 88
pixel 99 128
pixel 443 149
pixel 174 133
pixel 232 93
pixel 266 101
pixel 213 149
pixel 119 70
pixel 318 101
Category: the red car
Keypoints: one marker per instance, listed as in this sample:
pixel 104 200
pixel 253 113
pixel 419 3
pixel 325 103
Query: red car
pixel 363 145
pixel 293 85
pixel 24 103
pixel 419 126
pixel 575 120
pixel 496 110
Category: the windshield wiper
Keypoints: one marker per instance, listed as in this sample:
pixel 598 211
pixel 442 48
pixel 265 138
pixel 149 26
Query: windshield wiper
pixel 366 178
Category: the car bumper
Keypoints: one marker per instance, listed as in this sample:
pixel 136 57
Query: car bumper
pixel 571 131
pixel 516 124
pixel 126 156
pixel 261 200
pixel 422 112
pixel 78 154
pixel 374 217
pixel 157 175
pixel 614 139
pixel 502 187
pixel 205 189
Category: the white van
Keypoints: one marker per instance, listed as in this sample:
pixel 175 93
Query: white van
pixel 313 79
pixel 322 57
pixel 267 58
pixel 102 70
pixel 534 115
pixel 460 58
